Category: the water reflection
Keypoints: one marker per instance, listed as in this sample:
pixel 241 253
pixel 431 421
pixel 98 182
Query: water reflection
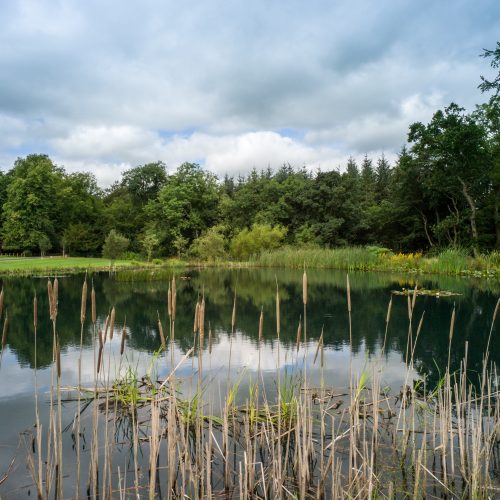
pixel 141 303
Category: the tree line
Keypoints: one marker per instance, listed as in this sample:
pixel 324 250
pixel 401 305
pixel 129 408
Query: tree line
pixel 443 190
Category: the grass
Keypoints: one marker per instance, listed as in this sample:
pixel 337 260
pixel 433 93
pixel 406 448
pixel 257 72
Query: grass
pixel 45 265
pixel 449 261
pixel 303 442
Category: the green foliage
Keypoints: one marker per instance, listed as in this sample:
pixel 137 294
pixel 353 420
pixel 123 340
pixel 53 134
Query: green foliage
pixel 150 242
pixel 211 246
pixel 114 245
pixel 251 242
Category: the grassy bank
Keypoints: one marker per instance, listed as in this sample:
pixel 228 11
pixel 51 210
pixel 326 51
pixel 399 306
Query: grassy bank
pixel 451 261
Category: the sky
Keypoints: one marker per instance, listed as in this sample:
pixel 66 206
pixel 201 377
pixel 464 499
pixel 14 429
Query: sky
pixel 106 85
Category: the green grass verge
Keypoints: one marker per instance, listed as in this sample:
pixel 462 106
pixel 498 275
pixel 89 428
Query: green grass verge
pixel 28 265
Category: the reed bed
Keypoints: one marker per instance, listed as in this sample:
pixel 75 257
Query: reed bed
pixel 140 436
pixel 450 261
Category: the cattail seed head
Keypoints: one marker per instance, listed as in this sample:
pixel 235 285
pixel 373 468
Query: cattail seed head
pixel 84 302
pixel 304 287
pixel 389 308
pixel 112 323
pixel 277 311
pixel 35 311
pixel 174 298
pixel 348 295
pixel 92 298
pixel 299 334
pixel 169 302
pixel 233 315
pixel 261 324
pixel 196 323
pixel 106 324
pixel 162 335
pixel 124 335
pixel 201 319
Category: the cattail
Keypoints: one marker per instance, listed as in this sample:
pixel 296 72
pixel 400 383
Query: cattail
pixel 320 342
pixel 99 359
pixel 5 329
pixel 124 335
pixel 196 314
pixel 106 324
pixel 160 330
pixel 261 324
pixel 452 324
pixel 58 357
pixel 233 316
pixel 299 333
pixel 277 310
pixel 174 298
pixel 495 312
pixel 169 302
pixel 389 308
pixel 1 302
pixel 92 298
pixel 112 323
pixel 35 311
pixel 55 300
pixel 414 299
pixel 410 313
pixel 348 295
pixel 84 301
pixel 209 339
pixel 201 320
pixel 50 294
pixel 304 287
pixel 101 340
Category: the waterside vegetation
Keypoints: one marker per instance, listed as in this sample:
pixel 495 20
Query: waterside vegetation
pixel 304 441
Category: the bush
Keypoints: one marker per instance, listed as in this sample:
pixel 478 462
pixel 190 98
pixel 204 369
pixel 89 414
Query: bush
pixel 252 242
pixel 157 262
pixel 211 246
pixel 114 245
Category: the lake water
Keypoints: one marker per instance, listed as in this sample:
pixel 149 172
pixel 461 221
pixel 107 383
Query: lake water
pixel 141 303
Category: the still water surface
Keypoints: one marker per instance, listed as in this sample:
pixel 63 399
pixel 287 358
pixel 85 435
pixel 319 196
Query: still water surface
pixel 141 303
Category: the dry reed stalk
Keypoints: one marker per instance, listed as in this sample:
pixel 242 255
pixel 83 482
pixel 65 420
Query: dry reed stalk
pixel 58 357
pixel 169 301
pixel 106 325
pixel 83 307
pixel 299 334
pixel 112 323
pixel 261 324
pixel 35 313
pixel 1 302
pixel 162 335
pixel 201 320
pixel 209 339
pixel 233 315
pixel 124 336
pixel 196 323
pixel 92 299
pixel 277 310
pixel 320 342
pixel 174 298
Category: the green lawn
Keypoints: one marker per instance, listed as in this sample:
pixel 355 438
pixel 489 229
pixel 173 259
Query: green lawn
pixel 37 264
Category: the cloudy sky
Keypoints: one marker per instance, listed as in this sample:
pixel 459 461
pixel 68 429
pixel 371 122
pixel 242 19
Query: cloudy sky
pixel 103 85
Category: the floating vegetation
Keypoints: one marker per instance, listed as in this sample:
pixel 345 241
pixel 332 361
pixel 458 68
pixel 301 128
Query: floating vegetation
pixel 423 291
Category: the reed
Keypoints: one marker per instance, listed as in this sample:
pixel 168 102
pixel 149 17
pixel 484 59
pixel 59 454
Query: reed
pixel 303 442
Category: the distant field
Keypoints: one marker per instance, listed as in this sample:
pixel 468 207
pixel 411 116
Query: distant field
pixel 27 264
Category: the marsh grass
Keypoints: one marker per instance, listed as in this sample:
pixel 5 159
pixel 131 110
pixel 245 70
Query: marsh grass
pixel 304 442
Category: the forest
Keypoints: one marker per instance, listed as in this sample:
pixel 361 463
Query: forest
pixel 442 191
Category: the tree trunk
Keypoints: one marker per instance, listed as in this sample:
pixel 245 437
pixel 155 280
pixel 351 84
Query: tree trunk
pixel 473 210
pixel 424 218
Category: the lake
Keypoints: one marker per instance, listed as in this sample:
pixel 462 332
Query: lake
pixel 238 355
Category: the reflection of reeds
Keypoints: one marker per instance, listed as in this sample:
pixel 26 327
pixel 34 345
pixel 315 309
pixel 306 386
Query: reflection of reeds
pixel 305 442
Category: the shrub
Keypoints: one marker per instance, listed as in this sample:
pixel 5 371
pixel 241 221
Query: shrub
pixel 251 242
pixel 114 245
pixel 211 246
